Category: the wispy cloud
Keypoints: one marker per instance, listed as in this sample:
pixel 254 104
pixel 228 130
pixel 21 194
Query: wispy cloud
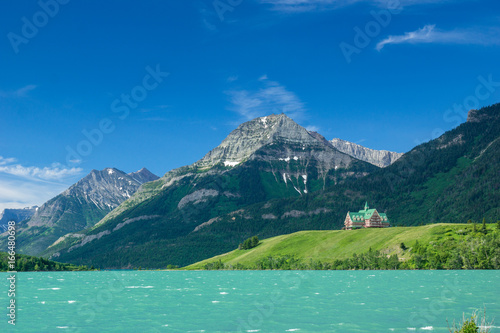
pixel 9 160
pixel 19 193
pixel 154 119
pixel 156 113
pixel 360 141
pixel 430 34
pixel 298 6
pixel 21 92
pixel 56 172
pixel 272 97
pixel 156 108
pixel 22 186
pixel 405 3
pixel 312 128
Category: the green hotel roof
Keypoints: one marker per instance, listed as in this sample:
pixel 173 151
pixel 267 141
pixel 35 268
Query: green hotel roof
pixel 366 214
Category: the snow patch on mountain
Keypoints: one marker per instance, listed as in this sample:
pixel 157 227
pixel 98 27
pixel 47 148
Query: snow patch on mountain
pixel 231 164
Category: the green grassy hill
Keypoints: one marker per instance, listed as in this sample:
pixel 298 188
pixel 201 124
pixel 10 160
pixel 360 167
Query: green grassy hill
pixel 328 246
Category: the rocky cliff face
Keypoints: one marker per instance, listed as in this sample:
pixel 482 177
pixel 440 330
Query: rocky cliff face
pixel 476 116
pixel 79 207
pixel 380 158
pixel 17 215
pixel 245 140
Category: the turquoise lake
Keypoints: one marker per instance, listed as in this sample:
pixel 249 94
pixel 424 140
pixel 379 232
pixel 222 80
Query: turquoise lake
pixel 249 301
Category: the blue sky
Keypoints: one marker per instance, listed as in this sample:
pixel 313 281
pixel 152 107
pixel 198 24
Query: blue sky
pixel 158 84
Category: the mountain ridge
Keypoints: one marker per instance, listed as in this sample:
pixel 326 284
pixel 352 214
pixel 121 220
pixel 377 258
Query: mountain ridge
pixel 78 207
pixel 16 214
pixel 380 158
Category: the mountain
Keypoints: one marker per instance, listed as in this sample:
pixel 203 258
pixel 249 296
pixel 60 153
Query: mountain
pixel 380 158
pixel 263 159
pixel 290 159
pixel 254 135
pixel 79 207
pixel 451 179
pixel 208 208
pixel 17 215
pixel 143 176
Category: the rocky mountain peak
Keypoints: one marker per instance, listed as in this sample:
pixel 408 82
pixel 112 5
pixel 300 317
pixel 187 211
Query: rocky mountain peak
pixel 81 205
pixel 143 176
pixel 254 134
pixel 102 189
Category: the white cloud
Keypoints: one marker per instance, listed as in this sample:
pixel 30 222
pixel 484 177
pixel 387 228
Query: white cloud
pixel 306 5
pixel 298 6
pixel 155 119
pixel 360 141
pixel 423 35
pixel 22 186
pixel 312 128
pixel 54 172
pixel 20 193
pixel 4 161
pixel 404 3
pixel 271 98
pixel 21 92
pixel 429 34
pixel 162 107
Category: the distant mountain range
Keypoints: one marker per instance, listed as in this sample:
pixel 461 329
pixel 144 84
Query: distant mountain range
pixel 77 208
pixel 269 177
pixel 16 215
pixel 380 158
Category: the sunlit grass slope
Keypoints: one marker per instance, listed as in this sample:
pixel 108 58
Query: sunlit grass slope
pixel 337 244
